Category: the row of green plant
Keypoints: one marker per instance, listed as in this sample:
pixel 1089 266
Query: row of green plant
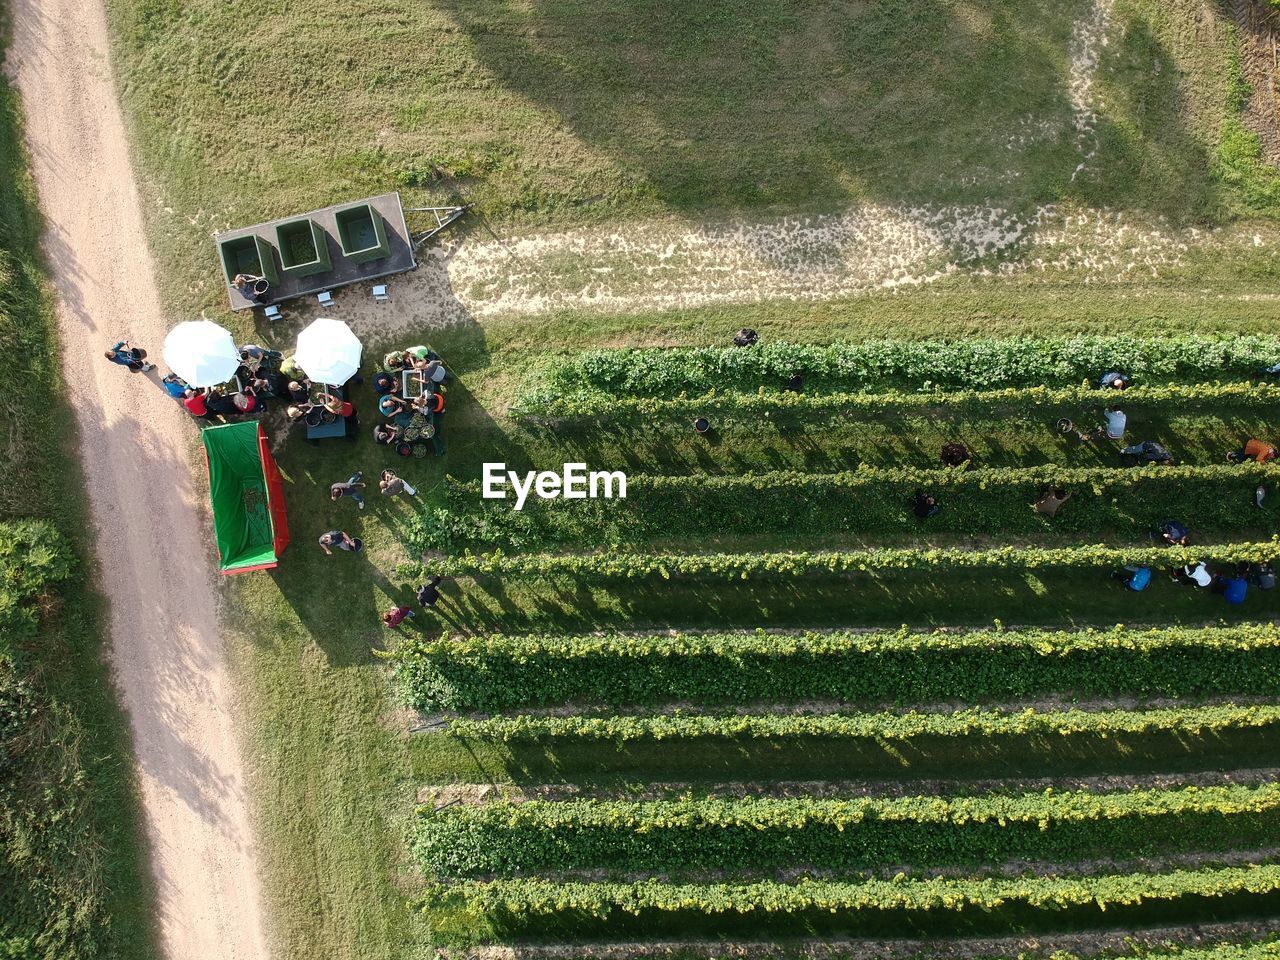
pixel 902 364
pixel 872 502
pixel 620 565
pixel 601 409
pixel 513 903
pixel 752 834
pixel 496 672
pixel 33 556
pixel 971 722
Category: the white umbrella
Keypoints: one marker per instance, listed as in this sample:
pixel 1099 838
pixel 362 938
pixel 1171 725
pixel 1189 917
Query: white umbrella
pixel 328 351
pixel 201 353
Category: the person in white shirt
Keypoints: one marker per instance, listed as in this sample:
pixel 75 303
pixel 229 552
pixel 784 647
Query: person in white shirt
pixel 1116 421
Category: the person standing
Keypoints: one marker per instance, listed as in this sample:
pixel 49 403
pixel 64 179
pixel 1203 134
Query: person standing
pixel 349 488
pixel 391 485
pixel 429 593
pixel 135 358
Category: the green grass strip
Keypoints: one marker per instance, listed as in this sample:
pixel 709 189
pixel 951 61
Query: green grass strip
pixel 976 721
pixel 869 501
pixel 751 834
pixel 850 367
pixel 494 673
pixel 619 565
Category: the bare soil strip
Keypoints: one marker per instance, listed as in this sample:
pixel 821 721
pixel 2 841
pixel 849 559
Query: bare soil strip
pixel 1119 942
pixel 153 555
pixel 474 794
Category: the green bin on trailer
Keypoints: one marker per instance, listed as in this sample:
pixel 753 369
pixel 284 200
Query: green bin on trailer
pixel 304 248
pixel 251 255
pixel 249 521
pixel 362 234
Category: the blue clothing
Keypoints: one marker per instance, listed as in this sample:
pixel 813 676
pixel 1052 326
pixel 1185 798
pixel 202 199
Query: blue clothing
pixel 123 357
pixel 1140 578
pixel 1235 590
pixel 174 387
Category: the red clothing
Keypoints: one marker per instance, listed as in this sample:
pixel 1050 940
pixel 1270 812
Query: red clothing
pixel 347 409
pixel 1259 451
pixel 395 616
pixel 195 405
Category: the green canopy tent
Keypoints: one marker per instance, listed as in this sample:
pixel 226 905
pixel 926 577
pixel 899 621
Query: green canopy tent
pixel 249 523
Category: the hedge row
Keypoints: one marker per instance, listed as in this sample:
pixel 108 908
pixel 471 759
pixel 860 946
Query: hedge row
pixel 868 501
pixel 749 834
pixel 518 901
pixel 910 364
pixel 619 565
pixel 1191 721
pixel 600 409
pixel 496 673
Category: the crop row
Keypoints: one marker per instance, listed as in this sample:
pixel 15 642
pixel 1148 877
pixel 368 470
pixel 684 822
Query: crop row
pixel 495 673
pixel 976 721
pixel 621 565
pixel 601 409
pixel 514 902
pixel 752 834
pixel 868 501
pixel 847 367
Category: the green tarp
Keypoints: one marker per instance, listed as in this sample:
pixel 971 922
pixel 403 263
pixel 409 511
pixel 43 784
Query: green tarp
pixel 238 487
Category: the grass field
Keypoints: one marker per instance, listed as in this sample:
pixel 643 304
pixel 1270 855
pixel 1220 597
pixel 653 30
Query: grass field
pixel 572 125
pixel 73 877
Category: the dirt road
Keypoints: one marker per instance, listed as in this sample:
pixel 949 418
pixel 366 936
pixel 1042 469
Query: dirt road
pixel 166 649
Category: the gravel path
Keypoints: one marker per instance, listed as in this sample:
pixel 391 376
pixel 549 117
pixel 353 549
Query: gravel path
pixel 153 556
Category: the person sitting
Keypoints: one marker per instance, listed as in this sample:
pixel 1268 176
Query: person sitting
pixel 175 386
pixel 1148 451
pixel 385 383
pixel 1253 449
pixel 298 411
pixel 1115 422
pixel 392 405
pixel 956 455
pixel 1262 576
pixel 746 337
pixel 429 402
pixel 1172 533
pixel 431 371
pixel 386 433
pixel 221 404
pixel 245 401
pixel 1134 578
pixel 300 391
pixel 926 505
pixel 196 402
pixel 289 367
pixel 1051 501
pixel 1194 573
pixel 1114 380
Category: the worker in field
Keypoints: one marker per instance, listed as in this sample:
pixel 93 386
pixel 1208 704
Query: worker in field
pixel 1148 451
pixel 1253 449
pixel 1135 578
pixel 1114 380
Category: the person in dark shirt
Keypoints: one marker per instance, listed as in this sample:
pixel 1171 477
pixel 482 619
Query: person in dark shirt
pixel 1263 577
pixel 396 616
pixel 1173 533
pixel 428 593
pixel 1148 451
pixel 1114 380
pixel 926 505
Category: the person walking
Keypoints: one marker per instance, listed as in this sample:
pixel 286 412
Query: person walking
pixel 391 485
pixel 340 540
pixel 396 616
pixel 429 593
pixel 349 488
pixel 135 358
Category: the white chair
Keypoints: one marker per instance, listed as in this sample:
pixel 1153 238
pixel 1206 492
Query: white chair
pixel 380 293
pixel 325 298
pixel 272 312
